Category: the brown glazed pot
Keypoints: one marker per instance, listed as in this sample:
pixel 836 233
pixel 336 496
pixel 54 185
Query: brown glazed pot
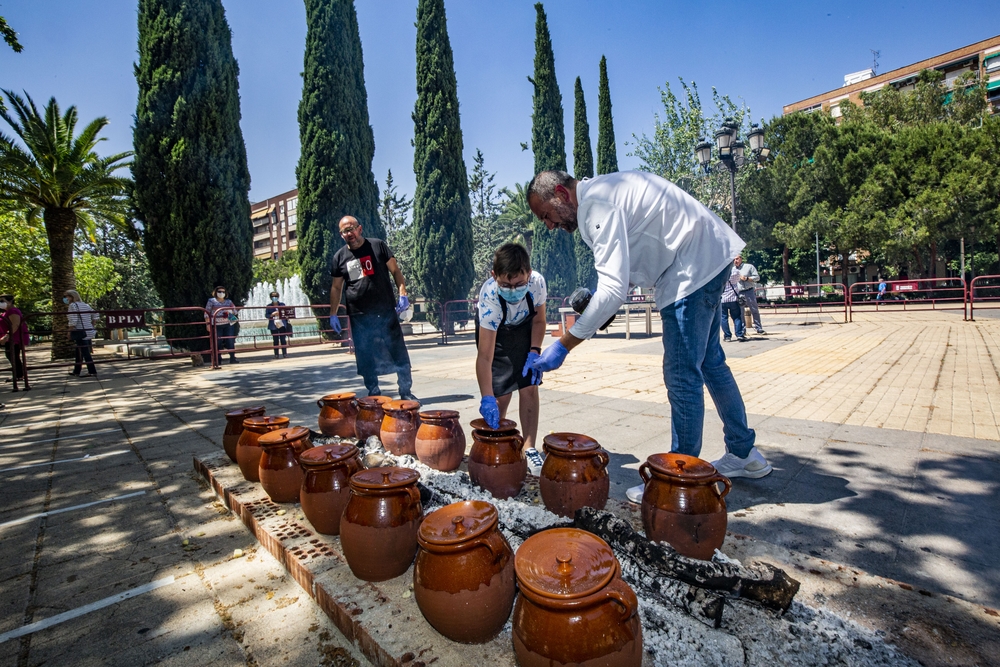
pixel 399 427
pixel 326 487
pixel 463 579
pixel 378 532
pixel 574 608
pixel 682 505
pixel 574 475
pixel 234 428
pixel 337 414
pixel 440 441
pixel 369 419
pixel 496 462
pixel 248 450
pixel 280 473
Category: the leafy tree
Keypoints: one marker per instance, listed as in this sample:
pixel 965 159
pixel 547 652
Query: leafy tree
pixel 24 262
pixel 393 211
pixel 191 176
pixel 552 252
pixel 607 153
pixel 335 167
pixel 133 286
pixel 583 166
pixel 490 228
pixel 59 177
pixel 271 271
pixel 95 276
pixel 441 208
pixel 10 36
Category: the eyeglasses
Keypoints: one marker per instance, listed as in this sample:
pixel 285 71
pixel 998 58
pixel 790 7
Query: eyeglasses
pixel 511 286
pixel 349 230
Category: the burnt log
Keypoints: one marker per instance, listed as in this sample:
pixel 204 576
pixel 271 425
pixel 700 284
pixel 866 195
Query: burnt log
pixel 761 583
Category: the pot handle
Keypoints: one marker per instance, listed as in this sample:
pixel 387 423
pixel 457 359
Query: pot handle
pixel 520 445
pixel 619 592
pixel 603 456
pixel 725 480
pixel 414 493
pixel 644 473
pixel 319 403
pixel 492 541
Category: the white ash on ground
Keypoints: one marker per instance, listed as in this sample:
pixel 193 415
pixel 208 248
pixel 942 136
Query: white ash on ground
pixel 749 635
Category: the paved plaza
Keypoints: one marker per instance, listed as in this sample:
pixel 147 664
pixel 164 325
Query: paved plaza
pixel 882 432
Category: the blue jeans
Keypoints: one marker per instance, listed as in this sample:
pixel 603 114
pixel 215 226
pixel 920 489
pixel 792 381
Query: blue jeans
pixel 692 359
pixel 732 309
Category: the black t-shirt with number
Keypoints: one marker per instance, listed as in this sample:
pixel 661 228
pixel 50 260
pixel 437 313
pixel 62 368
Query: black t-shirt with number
pixel 368 287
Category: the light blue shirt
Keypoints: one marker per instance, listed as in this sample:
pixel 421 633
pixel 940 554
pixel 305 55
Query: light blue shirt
pixel 490 312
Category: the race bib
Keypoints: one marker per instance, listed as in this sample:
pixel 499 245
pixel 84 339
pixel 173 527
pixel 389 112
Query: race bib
pixel 358 267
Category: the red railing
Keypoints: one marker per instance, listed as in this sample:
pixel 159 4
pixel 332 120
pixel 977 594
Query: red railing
pixel 464 311
pixel 987 296
pixel 809 298
pixel 910 295
pixel 246 315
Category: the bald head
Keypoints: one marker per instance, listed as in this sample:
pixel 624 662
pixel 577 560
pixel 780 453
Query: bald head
pixel 351 232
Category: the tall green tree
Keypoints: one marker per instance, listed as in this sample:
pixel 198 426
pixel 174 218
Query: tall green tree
pixel 59 177
pixel 190 170
pixel 335 166
pixel 25 269
pixel 394 209
pixel 607 153
pixel 553 252
pixel 490 229
pixel 583 167
pixel 442 212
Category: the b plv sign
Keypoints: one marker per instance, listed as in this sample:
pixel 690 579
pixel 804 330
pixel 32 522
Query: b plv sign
pixel 123 319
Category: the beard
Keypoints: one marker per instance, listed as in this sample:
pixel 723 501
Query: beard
pixel 567 215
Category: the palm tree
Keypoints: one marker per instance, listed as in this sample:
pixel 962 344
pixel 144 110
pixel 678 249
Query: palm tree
pixel 62 179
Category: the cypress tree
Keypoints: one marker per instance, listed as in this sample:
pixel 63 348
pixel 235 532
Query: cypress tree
pixel 442 213
pixel 552 252
pixel 607 154
pixel 334 173
pixel 583 167
pixel 190 167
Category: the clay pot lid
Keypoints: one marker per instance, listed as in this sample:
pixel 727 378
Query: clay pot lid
pixel 283 436
pixel 564 563
pixel 439 415
pixel 327 455
pixel 333 398
pixel 269 422
pixel 457 523
pixel 683 466
pixel 506 426
pixel 570 443
pixel 401 406
pixel 374 401
pixel 384 478
pixel 244 412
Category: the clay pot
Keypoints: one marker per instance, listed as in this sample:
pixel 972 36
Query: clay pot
pixel 248 450
pixel 234 428
pixel 682 505
pixel 337 414
pixel 280 473
pixel 326 485
pixel 574 475
pixel 369 419
pixel 399 427
pixel 574 608
pixel 463 578
pixel 440 441
pixel 496 463
pixel 378 532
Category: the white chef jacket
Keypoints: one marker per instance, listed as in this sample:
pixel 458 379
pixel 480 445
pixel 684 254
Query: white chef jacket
pixel 646 231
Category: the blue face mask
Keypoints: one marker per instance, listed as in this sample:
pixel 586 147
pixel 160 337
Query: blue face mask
pixel 512 295
pixel 274 299
pixel 65 299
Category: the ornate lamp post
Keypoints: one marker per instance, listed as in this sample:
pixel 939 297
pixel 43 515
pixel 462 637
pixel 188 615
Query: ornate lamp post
pixel 732 153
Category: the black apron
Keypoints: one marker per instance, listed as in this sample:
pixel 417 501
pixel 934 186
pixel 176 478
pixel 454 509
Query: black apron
pixel 378 344
pixel 511 350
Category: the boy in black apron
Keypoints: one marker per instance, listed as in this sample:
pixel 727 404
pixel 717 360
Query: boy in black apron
pixel 510 326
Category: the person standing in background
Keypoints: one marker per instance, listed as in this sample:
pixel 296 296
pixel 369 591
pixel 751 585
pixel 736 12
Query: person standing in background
pixel 279 324
pixel 81 318
pixel 13 336
pixel 749 278
pixel 731 308
pixel 223 311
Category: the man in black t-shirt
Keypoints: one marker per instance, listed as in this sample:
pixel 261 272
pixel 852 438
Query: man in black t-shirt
pixel 365 265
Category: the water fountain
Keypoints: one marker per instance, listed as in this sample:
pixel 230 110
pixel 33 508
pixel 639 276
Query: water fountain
pixel 291 293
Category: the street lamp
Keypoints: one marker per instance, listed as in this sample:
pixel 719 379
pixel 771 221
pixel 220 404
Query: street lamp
pixel 732 153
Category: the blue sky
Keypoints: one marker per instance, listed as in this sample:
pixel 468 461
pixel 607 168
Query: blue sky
pixel 766 53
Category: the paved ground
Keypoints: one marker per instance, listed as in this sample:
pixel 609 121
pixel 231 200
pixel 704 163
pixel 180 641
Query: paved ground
pixel 883 435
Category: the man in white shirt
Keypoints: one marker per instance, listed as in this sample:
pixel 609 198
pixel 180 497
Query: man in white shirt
pixel 749 279
pixel 645 231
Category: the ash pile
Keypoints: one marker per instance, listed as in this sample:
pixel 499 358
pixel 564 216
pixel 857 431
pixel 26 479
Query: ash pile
pixel 694 612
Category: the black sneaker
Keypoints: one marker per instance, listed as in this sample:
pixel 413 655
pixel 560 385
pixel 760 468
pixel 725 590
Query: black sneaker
pixel 743 339
pixel 727 339
pixel 407 396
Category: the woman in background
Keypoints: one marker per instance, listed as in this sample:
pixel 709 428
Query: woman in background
pixel 81 318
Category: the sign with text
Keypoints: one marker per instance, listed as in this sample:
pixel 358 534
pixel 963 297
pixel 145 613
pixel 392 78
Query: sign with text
pixel 123 319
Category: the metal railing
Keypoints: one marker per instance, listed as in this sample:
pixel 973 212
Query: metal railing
pixel 805 299
pixel 463 312
pixel 910 295
pixel 984 291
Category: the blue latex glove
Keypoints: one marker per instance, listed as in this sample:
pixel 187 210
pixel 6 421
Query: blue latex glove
pixel 551 358
pixel 403 304
pixel 536 376
pixel 335 324
pixel 490 411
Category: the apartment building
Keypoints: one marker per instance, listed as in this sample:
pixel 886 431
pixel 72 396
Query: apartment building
pixel 275 225
pixel 982 57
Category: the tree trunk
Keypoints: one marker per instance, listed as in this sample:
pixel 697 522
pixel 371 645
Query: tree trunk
pixel 60 225
pixel 919 263
pixel 934 260
pixel 786 270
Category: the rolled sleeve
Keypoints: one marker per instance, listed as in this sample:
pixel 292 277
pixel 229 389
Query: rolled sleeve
pixel 603 229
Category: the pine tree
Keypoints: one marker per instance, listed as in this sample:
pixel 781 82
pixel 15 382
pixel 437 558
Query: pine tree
pixel 441 209
pixel 190 168
pixel 335 167
pixel 583 167
pixel 489 229
pixel 607 154
pixel 552 252
pixel 393 210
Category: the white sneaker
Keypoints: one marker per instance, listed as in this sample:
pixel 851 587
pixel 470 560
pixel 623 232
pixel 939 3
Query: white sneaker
pixel 753 466
pixel 534 461
pixel 635 494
